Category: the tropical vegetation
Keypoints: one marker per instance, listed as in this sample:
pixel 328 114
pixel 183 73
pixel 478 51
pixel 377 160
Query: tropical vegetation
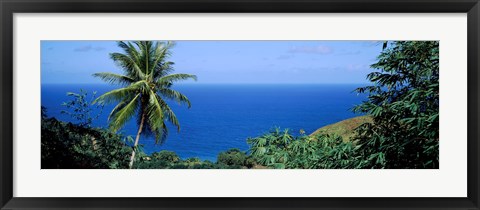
pixel 399 127
pixel 146 84
pixel 404 103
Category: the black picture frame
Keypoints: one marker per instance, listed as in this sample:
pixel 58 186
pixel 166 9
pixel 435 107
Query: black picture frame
pixel 10 7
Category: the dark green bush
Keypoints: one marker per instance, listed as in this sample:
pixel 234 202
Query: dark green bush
pixel 404 103
pixel 165 155
pixel 232 158
pixel 65 145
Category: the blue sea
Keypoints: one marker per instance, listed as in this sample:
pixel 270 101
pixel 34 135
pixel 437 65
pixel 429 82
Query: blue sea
pixel 224 116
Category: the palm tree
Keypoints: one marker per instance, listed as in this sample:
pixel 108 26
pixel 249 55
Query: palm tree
pixel 145 85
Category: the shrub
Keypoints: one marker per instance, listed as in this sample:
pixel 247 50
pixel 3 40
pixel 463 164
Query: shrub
pixel 404 103
pixel 80 108
pixel 232 158
pixel 168 156
pixel 65 145
pixel 278 149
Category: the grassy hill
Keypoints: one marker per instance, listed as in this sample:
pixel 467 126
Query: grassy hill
pixel 344 128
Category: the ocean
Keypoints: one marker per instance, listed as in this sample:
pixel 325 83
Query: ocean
pixel 223 116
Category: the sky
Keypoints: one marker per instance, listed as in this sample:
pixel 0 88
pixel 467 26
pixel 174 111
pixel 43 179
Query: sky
pixel 220 62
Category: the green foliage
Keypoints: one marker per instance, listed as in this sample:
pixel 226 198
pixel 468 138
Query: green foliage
pixel 80 108
pixel 166 156
pixel 404 104
pixel 279 150
pixel 234 158
pixel 162 159
pixel 323 151
pixel 69 146
pixel 270 149
pixel 400 131
pixel 146 84
pixel 170 160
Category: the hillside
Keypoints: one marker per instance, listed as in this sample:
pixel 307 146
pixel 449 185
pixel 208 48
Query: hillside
pixel 344 128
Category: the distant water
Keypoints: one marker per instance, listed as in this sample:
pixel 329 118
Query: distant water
pixel 224 116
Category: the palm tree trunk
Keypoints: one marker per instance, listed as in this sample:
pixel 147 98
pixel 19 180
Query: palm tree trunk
pixel 140 127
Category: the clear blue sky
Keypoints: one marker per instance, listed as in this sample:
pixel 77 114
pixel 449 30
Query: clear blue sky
pixel 319 62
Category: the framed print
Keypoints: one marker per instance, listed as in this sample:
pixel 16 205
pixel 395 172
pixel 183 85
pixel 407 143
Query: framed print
pixel 239 105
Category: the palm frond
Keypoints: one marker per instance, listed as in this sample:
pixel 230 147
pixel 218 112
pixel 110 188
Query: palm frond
pixel 162 69
pixel 113 78
pixel 161 134
pixel 160 53
pixel 156 118
pixel 116 95
pixel 122 116
pixel 116 108
pixel 131 67
pixel 168 112
pixel 130 50
pixel 154 111
pixel 175 95
pixel 174 78
pixel 145 56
